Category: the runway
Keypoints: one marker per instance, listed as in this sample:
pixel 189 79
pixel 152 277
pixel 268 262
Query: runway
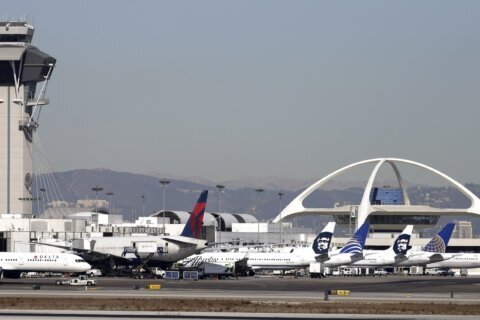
pixel 106 315
pixel 390 288
pixel 246 298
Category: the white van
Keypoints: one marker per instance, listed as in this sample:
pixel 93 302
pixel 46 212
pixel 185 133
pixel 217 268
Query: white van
pixel 94 273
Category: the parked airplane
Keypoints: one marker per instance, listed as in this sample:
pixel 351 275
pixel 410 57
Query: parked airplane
pixel 393 255
pixel 148 251
pixel 433 251
pixel 12 264
pixel 462 260
pixel 350 253
pixel 296 258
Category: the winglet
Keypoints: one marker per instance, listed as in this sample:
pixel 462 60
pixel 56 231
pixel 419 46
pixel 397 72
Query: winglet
pixel 321 244
pixel 193 227
pixel 440 241
pixel 357 242
pixel 400 246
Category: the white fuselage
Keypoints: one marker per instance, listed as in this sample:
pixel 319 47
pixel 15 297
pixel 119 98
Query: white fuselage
pixel 419 258
pixel 158 250
pixel 464 260
pixel 298 258
pixel 341 259
pixel 379 259
pixel 42 262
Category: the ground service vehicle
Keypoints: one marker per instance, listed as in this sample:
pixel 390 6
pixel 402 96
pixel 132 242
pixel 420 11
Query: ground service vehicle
pixel 94 273
pixel 80 281
pixel 316 270
pixel 380 272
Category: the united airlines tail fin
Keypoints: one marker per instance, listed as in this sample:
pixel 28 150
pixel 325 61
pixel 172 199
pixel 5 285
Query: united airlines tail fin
pixel 440 241
pixel 400 246
pixel 193 228
pixel 321 244
pixel 357 242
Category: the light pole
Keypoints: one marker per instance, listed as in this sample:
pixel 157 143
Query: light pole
pixel 280 195
pixel 164 183
pixel 143 204
pixel 43 199
pixel 110 206
pixel 96 189
pixel 220 188
pixel 258 190
pixel 353 215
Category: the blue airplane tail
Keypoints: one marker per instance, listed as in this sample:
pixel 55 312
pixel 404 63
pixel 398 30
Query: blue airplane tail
pixel 193 227
pixel 440 241
pixel 321 244
pixel 357 242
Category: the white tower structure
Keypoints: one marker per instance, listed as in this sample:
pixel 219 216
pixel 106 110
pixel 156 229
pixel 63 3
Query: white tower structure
pixel 400 215
pixel 22 67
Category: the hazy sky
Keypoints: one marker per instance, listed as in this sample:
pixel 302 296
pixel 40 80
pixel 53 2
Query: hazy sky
pixel 227 89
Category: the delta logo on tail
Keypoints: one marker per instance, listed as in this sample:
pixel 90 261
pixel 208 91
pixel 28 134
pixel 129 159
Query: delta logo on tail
pixel 440 241
pixel 193 228
pixel 321 244
pixel 357 242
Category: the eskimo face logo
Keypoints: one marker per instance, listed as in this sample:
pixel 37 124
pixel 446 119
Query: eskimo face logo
pixel 322 242
pixel 401 244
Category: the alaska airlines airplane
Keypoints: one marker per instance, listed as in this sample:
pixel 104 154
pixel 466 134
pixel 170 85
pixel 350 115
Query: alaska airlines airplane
pixel 433 251
pixel 350 253
pixel 296 258
pixel 391 256
pixel 12 264
pixel 152 251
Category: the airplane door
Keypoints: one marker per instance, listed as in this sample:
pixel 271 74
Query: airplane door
pixel 65 261
pixel 20 260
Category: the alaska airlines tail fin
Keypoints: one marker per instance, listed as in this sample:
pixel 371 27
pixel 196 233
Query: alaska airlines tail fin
pixel 193 228
pixel 321 244
pixel 440 241
pixel 400 246
pixel 357 242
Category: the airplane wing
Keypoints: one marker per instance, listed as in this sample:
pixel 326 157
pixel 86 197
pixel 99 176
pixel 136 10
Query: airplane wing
pixel 322 257
pixel 90 255
pixel 437 257
pixel 358 255
pixel 53 245
pixel 181 241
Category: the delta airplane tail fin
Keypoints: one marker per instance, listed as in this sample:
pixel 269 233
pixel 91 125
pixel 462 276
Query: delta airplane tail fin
pixel 321 244
pixel 440 241
pixel 193 228
pixel 400 246
pixel 357 242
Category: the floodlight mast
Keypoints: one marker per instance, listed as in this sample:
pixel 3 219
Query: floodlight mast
pixel 164 182
pixel 220 187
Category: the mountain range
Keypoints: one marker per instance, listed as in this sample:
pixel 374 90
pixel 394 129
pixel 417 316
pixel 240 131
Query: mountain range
pixel 134 195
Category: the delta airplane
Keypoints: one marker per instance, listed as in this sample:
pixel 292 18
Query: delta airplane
pixel 391 256
pixel 296 258
pixel 12 264
pixel 151 251
pixel 433 251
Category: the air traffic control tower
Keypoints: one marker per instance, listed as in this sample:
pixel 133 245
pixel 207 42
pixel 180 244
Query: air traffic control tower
pixel 24 72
